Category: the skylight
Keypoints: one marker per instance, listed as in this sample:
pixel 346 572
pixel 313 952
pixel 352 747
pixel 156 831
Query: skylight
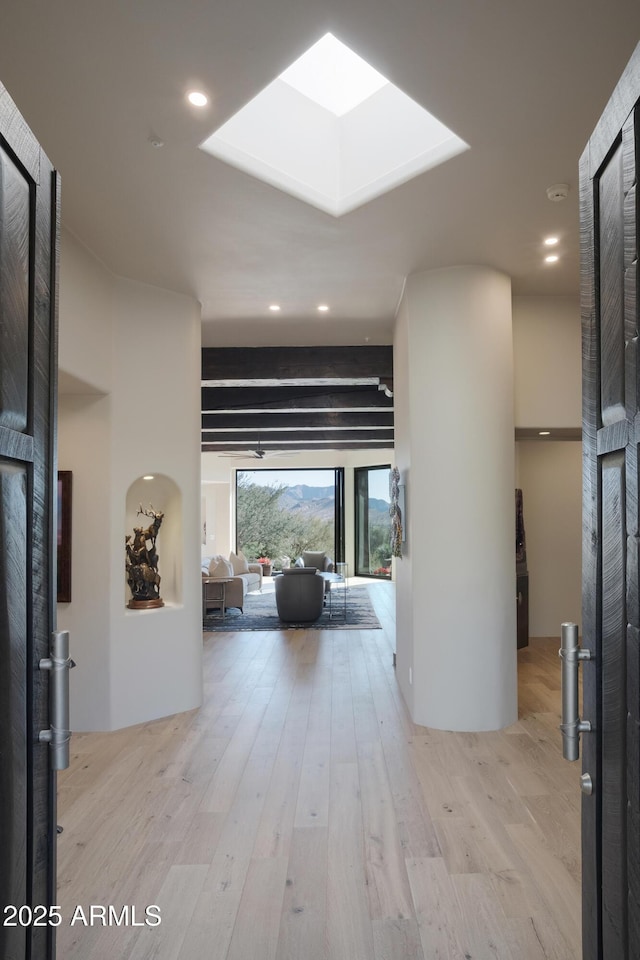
pixel 332 75
pixel 333 132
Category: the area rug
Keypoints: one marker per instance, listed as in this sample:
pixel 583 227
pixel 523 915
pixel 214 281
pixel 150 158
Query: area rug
pixel 260 614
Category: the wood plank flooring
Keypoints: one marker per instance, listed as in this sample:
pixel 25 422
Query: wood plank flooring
pixel 301 815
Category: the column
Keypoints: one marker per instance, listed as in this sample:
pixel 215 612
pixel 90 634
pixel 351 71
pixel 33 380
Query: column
pixel 456 642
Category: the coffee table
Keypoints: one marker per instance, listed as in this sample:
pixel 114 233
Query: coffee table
pixel 337 580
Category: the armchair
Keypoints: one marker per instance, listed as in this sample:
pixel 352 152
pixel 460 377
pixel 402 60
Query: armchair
pixel 319 560
pixel 299 594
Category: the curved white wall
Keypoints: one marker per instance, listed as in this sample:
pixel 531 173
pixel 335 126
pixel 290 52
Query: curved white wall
pixel 456 454
pixel 140 347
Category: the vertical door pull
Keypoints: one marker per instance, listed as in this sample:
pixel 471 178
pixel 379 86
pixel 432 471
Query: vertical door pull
pixel 572 726
pixel 58 734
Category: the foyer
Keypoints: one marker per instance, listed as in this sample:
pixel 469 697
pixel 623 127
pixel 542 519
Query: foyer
pixel 300 813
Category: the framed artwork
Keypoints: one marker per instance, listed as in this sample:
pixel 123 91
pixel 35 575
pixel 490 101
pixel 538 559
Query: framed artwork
pixel 64 536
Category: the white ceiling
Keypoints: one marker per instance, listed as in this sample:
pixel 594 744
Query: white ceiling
pixel 523 83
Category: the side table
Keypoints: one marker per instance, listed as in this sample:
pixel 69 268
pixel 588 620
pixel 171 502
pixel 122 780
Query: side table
pixel 213 590
pixel 339 579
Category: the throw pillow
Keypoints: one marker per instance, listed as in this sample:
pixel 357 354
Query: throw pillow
pixel 222 569
pixel 314 558
pixel 238 562
pixel 213 563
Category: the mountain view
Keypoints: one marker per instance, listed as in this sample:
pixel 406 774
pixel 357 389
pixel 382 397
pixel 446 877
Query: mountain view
pixel 319 502
pixel 280 520
pixel 311 501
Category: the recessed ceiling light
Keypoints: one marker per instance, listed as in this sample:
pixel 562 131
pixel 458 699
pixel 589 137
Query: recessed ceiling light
pixel 274 307
pixel 322 307
pixel 550 241
pixel 197 99
pixel 552 258
pixel 544 433
pixel 149 476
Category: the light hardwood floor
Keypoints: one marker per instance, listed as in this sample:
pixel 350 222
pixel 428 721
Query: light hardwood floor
pixel 301 815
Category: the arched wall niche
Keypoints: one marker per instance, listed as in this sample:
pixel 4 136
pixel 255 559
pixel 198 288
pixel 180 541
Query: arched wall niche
pixel 163 494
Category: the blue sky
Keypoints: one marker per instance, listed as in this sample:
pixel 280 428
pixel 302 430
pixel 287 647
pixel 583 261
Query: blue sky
pixel 291 478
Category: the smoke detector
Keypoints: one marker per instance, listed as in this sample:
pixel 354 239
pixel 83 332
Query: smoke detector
pixel 557 192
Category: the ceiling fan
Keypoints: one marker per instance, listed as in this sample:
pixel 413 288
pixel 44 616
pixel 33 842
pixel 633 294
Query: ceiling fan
pixel 257 453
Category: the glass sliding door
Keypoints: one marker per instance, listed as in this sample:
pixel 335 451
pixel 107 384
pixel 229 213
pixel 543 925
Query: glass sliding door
pixel 281 513
pixel 373 522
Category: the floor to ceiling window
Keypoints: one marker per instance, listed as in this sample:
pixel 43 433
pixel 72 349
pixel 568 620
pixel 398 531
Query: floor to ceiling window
pixel 281 513
pixel 373 522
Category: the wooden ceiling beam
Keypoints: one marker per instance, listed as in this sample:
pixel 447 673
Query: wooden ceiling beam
pixel 298 448
pixel 296 363
pixel 274 438
pixel 260 421
pixel 293 398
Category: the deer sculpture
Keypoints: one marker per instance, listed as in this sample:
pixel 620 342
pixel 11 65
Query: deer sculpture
pixel 142 561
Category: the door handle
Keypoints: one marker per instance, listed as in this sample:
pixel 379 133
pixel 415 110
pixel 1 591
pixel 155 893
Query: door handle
pixel 572 726
pixel 58 734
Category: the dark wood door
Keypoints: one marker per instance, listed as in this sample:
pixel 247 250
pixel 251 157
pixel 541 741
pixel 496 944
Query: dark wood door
pixel 611 587
pixel 28 231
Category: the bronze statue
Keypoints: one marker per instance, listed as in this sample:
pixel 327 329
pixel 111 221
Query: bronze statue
pixel 142 562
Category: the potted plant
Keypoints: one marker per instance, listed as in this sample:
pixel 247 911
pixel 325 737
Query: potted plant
pixel 265 562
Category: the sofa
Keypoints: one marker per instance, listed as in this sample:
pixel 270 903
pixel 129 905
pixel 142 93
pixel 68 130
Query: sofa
pixel 245 577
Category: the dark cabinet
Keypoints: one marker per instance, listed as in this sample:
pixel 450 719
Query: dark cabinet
pixel 522 577
pixel 522 601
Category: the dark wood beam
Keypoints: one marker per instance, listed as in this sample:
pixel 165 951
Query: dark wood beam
pixel 293 398
pixel 297 363
pixel 274 438
pixel 299 448
pixel 260 421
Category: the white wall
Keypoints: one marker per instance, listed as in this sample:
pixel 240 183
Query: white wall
pixel 85 346
pixel 550 474
pixel 84 426
pixel 217 499
pixel 279 328
pixel 548 393
pixel 139 348
pixel 547 361
pixel 156 654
